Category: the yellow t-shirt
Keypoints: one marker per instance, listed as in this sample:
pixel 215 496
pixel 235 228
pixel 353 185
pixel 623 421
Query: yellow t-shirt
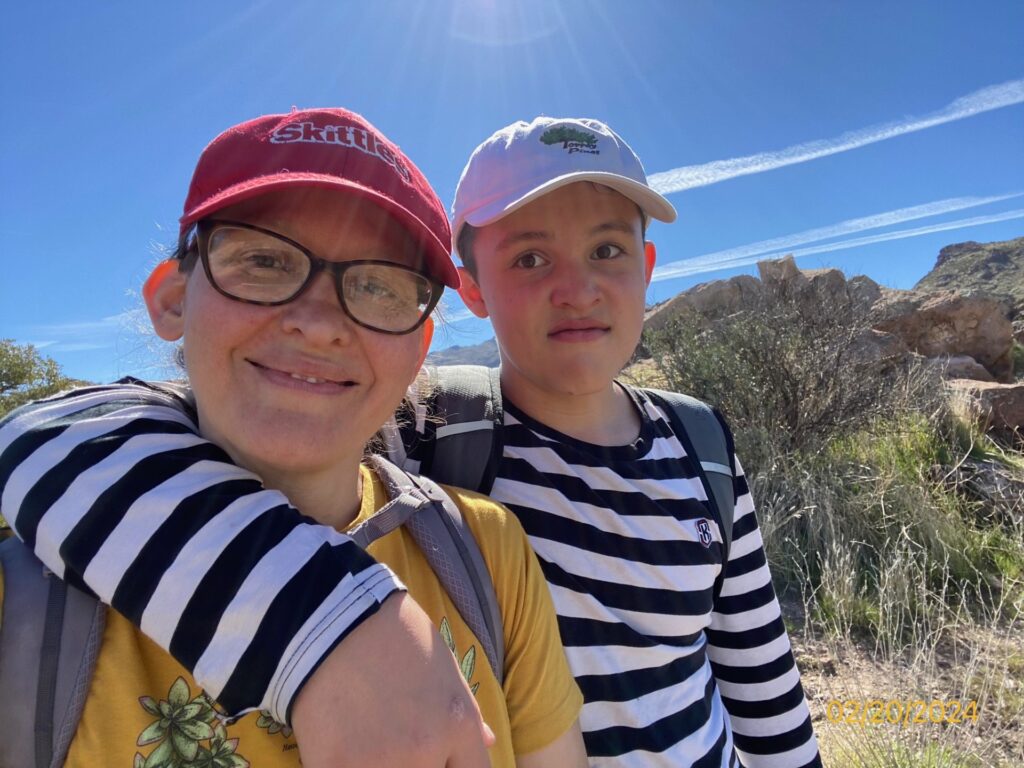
pixel 143 707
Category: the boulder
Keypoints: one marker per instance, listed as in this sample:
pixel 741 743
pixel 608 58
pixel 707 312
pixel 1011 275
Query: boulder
pixel 961 367
pixel 999 406
pixel 949 324
pixel 778 271
pixel 714 299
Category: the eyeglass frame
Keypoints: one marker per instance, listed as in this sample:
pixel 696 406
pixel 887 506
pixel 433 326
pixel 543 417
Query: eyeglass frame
pixel 204 228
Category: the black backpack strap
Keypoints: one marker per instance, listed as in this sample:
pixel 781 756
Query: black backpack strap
pixel 437 526
pixel 50 636
pixel 467 444
pixel 703 437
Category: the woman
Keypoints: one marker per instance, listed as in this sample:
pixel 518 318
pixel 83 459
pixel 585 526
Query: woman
pixel 312 253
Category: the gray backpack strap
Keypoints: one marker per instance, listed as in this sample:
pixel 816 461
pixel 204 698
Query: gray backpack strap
pixel 467 445
pixel 50 636
pixel 437 526
pixel 703 437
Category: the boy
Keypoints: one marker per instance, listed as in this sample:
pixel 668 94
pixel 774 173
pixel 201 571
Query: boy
pixel 678 665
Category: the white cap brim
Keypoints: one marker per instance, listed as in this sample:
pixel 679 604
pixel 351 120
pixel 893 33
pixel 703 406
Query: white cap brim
pixel 650 202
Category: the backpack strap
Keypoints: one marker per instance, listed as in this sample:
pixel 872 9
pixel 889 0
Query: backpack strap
pixel 437 526
pixel 50 636
pixel 467 446
pixel 701 432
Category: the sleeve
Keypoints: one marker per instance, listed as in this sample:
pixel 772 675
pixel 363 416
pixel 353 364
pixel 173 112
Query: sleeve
pixel 751 657
pixel 541 694
pixel 117 494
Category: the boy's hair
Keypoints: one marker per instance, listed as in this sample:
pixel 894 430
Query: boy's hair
pixel 467 235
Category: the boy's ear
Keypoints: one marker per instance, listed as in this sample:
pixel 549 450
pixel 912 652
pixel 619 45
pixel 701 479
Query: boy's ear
pixel 470 293
pixel 428 335
pixel 164 292
pixel 650 256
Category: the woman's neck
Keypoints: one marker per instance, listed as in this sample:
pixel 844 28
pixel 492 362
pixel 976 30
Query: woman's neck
pixel 331 497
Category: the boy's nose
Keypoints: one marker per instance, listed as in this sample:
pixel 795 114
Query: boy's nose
pixel 574 286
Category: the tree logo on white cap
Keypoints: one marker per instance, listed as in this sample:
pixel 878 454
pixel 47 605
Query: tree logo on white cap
pixel 571 139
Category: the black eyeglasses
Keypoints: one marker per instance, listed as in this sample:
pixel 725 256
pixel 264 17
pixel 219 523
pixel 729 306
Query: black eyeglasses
pixel 257 266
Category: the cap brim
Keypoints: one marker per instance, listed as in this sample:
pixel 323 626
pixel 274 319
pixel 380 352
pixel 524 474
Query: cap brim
pixel 650 202
pixel 439 261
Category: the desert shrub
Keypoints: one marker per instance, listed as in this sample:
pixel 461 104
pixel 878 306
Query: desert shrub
pixel 1017 360
pixel 785 372
pixel 857 466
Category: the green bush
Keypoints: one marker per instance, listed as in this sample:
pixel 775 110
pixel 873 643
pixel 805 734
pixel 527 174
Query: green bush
pixel 26 375
pixel 857 466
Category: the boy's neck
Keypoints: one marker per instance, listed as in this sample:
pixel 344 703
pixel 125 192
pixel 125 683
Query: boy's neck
pixel 603 417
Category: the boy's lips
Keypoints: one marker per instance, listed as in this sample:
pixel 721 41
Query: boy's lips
pixel 578 330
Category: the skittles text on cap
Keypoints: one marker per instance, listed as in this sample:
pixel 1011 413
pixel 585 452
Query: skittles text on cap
pixel 328 148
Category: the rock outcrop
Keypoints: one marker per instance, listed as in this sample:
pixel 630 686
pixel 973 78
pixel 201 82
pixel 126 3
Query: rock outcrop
pixel 950 324
pixel 968 335
pixel 993 269
pixel 998 406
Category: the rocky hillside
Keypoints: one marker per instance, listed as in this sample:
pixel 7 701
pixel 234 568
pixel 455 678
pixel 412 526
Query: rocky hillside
pixel 484 353
pixel 967 335
pixel 993 268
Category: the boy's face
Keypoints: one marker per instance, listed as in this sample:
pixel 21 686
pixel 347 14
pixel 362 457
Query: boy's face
pixel 563 280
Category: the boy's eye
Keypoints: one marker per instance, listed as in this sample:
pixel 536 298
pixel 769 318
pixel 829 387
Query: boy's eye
pixel 529 260
pixel 607 251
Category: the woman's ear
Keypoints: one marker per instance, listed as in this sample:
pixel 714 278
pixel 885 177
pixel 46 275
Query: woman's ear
pixel 470 293
pixel 164 293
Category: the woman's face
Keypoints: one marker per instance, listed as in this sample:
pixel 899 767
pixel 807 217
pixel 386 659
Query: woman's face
pixel 300 386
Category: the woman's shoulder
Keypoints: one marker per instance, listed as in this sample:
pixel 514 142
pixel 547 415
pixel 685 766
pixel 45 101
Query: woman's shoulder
pixel 496 529
pixel 484 513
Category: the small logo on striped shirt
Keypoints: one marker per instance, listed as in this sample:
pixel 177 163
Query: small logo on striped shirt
pixel 704 532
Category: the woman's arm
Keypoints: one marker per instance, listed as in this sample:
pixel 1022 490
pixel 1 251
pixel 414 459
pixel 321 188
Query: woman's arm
pixel 566 751
pixel 116 493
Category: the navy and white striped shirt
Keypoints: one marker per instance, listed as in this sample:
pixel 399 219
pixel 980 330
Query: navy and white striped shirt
pixel 670 674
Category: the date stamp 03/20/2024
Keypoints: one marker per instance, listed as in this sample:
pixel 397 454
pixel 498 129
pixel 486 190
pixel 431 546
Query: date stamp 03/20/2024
pixel 901 712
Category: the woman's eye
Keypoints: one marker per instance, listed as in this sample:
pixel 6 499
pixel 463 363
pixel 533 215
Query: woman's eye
pixel 267 260
pixel 607 251
pixel 530 260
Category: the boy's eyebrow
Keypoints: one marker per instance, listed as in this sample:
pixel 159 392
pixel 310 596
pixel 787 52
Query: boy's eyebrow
pixel 517 237
pixel 617 225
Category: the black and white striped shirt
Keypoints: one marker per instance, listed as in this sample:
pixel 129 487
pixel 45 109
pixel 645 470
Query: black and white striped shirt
pixel 116 493
pixel 671 676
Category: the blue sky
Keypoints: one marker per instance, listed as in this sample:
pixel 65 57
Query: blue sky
pixel 860 135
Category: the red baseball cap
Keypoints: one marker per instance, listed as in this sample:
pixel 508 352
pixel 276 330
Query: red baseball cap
pixel 330 148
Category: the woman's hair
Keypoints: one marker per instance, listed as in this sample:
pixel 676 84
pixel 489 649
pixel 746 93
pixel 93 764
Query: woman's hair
pixel 187 250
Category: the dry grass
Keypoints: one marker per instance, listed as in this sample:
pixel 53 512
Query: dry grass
pixel 895 531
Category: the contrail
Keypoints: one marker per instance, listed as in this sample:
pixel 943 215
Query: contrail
pixel 984 100
pixel 753 252
pixel 682 268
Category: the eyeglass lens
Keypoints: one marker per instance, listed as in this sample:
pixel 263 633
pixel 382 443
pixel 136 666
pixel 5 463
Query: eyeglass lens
pixel 258 267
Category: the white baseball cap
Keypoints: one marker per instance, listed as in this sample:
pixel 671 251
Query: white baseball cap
pixel 523 161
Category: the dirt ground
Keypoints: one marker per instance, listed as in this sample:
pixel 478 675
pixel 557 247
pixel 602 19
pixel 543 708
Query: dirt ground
pixel 850 691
